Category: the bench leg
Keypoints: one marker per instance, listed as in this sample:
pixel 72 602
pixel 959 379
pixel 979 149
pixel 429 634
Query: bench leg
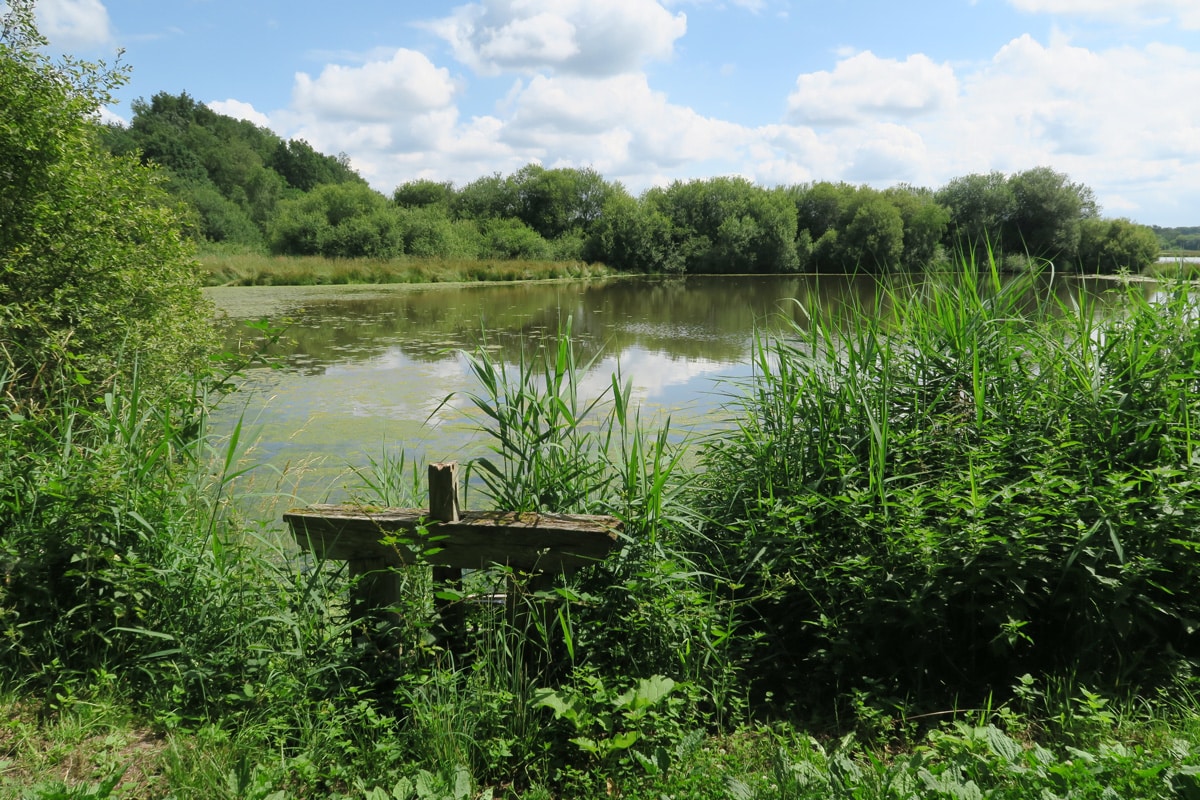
pixel 374 597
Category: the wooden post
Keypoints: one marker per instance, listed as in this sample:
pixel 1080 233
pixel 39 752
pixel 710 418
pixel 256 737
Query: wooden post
pixel 443 507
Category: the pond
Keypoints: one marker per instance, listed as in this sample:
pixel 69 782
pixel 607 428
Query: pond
pixel 367 370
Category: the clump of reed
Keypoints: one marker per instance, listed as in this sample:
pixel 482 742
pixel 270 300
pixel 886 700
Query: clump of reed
pixel 973 482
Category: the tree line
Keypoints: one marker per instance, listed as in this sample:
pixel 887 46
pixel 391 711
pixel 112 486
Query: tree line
pixel 1186 238
pixel 244 184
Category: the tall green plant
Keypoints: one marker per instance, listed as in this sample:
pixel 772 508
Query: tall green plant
pixel 984 481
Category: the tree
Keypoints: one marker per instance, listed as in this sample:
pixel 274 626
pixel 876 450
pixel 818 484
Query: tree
pixel 304 168
pixel 633 236
pixel 981 208
pixel 1108 246
pixel 489 197
pixel 821 212
pixel 925 222
pixel 555 202
pixel 424 194
pixel 1046 216
pixel 338 220
pixel 95 276
pixel 729 225
pixel 874 238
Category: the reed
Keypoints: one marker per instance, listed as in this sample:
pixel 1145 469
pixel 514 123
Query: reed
pixel 982 482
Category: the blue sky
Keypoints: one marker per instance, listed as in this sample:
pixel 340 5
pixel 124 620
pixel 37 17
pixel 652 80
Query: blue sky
pixel 649 91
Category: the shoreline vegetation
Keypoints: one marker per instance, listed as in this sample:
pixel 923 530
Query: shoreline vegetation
pixel 950 557
pixel 254 269
pixel 224 268
pixel 948 554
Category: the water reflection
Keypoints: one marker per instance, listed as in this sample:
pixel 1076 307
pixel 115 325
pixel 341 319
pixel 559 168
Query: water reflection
pixel 369 367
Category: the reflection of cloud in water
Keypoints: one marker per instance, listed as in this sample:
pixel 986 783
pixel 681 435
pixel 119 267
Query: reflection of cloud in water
pixel 652 373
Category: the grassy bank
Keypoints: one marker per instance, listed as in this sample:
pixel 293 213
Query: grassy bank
pixel 948 551
pixel 234 268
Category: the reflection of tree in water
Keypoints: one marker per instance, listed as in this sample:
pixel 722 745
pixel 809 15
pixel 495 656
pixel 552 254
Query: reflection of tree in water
pixel 697 317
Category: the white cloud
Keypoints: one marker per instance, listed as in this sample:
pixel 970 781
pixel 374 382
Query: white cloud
pixel 1143 12
pixel 864 86
pixel 582 37
pixel 617 123
pixel 239 110
pixel 74 23
pixel 408 82
pixel 110 117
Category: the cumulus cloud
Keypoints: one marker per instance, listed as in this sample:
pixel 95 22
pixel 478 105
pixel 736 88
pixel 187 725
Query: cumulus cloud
pixel 406 83
pixel 239 110
pixel 864 87
pixel 1185 12
pixel 74 23
pixel 569 36
pixel 615 123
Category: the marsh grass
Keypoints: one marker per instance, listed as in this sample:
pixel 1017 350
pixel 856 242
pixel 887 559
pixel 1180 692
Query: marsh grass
pixel 225 268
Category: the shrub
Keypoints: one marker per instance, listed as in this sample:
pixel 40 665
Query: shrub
pixel 94 273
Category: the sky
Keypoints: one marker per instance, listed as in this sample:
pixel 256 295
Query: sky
pixel 645 92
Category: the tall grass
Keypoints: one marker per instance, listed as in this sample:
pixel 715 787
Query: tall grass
pixel 983 483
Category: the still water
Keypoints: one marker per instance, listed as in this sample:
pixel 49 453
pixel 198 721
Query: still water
pixel 374 369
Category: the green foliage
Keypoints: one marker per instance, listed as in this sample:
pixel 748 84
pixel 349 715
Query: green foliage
pixel 1047 214
pixel 212 157
pixel 925 222
pixel 873 240
pixel 619 732
pixel 844 228
pixel 511 238
pixel 975 486
pixel 980 208
pixel 424 194
pixel 1185 238
pixel 727 225
pixel 634 237
pixel 94 276
pixel 304 168
pixel 1110 246
pixel 344 220
pixel 488 197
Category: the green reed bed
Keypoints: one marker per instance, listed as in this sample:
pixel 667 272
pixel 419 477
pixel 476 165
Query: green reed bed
pixel 982 483
pixel 947 551
pixel 224 268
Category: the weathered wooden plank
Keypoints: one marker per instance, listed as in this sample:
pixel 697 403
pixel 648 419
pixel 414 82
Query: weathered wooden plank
pixel 526 541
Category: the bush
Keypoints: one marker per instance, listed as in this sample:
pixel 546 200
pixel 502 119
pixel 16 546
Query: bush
pixel 511 238
pixel 94 273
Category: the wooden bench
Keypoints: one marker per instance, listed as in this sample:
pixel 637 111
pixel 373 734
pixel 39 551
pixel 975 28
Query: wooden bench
pixel 375 541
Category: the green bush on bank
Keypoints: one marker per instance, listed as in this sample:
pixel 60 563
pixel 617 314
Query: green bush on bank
pixel 94 274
